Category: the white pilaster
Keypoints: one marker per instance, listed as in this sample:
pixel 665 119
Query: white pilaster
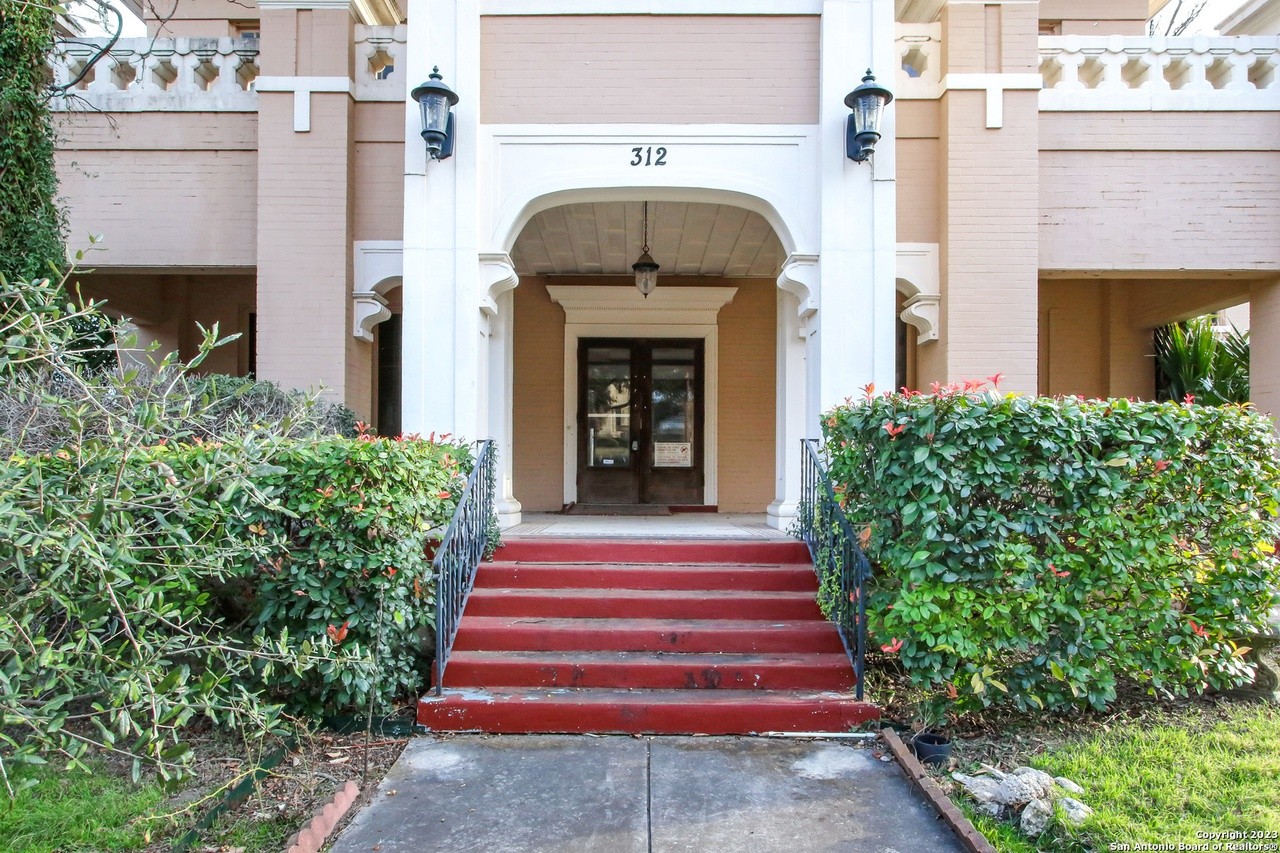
pixel 442 322
pixel 791 423
pixel 852 342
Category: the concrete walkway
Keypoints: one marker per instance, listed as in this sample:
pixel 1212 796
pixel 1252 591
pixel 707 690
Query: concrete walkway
pixel 692 525
pixel 621 794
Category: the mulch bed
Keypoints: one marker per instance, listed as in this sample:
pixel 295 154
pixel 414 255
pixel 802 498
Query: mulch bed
pixel 307 778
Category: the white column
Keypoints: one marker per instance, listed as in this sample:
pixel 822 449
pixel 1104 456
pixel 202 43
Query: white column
pixel 792 422
pixel 501 427
pixel 442 333
pixel 854 341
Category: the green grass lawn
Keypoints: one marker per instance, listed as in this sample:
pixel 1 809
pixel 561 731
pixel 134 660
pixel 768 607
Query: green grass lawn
pixel 104 812
pixel 77 812
pixel 1163 778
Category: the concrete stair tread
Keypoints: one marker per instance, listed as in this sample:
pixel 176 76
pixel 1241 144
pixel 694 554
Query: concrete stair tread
pixel 613 624
pixel 677 711
pixel 533 633
pixel 615 592
pixel 664 658
pixel 646 603
pixel 653 670
pixel 782 577
pixel 654 550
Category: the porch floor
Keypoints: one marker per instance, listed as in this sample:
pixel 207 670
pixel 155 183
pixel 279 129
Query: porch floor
pixel 694 525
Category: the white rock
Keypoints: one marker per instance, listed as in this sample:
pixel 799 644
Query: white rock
pixel 1040 780
pixel 1035 817
pixel 980 788
pixel 1074 812
pixel 1067 785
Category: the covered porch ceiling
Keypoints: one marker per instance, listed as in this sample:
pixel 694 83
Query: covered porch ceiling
pixel 604 238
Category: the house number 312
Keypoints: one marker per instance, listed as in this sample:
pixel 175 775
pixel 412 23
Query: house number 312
pixel 648 156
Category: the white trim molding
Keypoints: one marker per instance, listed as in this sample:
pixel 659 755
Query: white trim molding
pixel 622 312
pixel 372 12
pixel 302 88
pixel 995 85
pixel 379 268
pixel 651 7
pixel 698 306
pixel 919 280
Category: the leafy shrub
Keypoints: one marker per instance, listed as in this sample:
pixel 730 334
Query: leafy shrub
pixel 1038 550
pixel 153 572
pixel 1194 360
pixel 348 560
pixel 231 405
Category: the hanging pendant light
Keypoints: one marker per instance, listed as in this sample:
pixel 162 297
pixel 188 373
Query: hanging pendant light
pixel 646 269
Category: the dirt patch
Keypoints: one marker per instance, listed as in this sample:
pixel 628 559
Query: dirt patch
pixel 306 779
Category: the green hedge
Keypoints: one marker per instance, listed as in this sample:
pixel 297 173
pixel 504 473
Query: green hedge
pixel 349 561
pixel 147 586
pixel 1037 551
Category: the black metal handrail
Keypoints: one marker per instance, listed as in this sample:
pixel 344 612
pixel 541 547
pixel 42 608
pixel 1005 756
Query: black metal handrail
pixel 842 567
pixel 461 549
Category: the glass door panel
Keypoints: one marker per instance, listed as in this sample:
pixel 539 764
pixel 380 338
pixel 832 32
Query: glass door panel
pixel 608 389
pixel 640 422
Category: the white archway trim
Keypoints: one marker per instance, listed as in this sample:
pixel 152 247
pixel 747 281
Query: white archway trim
pixel 768 169
pixel 919 280
pixel 677 312
pixel 497 276
pixel 379 268
pixel 651 7
pixel 800 277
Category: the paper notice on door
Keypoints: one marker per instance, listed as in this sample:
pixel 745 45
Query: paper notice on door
pixel 668 454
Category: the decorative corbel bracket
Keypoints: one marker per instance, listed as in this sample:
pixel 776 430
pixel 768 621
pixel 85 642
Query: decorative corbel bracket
pixel 370 310
pixel 918 279
pixel 800 276
pixel 379 268
pixel 497 276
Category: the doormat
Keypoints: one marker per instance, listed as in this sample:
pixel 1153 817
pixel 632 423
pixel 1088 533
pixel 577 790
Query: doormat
pixel 617 509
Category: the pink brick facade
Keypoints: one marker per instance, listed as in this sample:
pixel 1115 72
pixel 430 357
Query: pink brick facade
pixel 1052 186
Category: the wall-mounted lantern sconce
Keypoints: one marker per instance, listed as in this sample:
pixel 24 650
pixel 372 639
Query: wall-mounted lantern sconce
pixel 645 267
pixel 863 130
pixel 436 100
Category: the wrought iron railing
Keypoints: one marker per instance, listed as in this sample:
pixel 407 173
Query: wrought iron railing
pixel 841 565
pixel 461 549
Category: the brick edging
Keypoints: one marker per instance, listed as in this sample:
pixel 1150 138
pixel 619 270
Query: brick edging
pixel 312 837
pixel 973 841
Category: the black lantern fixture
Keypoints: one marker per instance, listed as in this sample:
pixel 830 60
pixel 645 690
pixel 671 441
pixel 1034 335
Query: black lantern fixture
pixel 436 100
pixel 863 131
pixel 646 268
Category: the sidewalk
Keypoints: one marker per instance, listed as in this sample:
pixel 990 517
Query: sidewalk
pixel 619 794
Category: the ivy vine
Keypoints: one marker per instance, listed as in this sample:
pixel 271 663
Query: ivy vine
pixel 31 222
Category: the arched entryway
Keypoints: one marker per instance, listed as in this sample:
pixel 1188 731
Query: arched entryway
pixel 669 400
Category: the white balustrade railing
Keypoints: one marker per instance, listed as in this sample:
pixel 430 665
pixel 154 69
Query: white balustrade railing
pixel 380 63
pixel 158 74
pixel 919 53
pixel 1138 73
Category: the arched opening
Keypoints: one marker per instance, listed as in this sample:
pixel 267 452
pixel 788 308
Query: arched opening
pixel 664 403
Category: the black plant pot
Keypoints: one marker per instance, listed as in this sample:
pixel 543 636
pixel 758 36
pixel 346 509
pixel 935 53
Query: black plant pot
pixel 932 748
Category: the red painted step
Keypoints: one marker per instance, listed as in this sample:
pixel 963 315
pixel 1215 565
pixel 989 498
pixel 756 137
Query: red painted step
pixel 656 670
pixel 651 551
pixel 794 577
pixel 540 633
pixel 717 712
pixel 643 603
pixel 665 637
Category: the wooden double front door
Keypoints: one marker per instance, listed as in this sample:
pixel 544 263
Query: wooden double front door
pixel 640 421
